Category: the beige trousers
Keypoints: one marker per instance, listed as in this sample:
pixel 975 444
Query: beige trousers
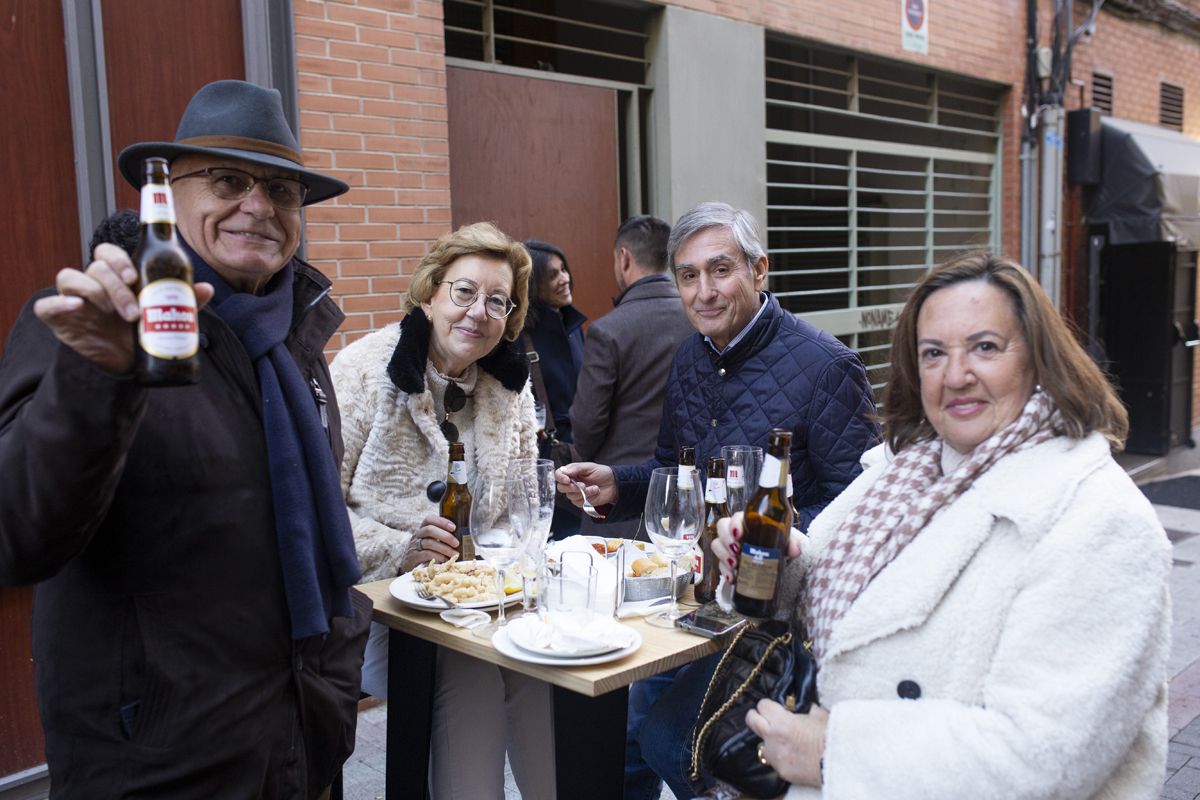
pixel 480 711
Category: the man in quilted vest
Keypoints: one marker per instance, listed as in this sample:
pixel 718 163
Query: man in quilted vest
pixel 750 367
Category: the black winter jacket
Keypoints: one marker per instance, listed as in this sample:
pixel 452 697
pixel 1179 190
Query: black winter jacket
pixel 164 660
pixel 558 339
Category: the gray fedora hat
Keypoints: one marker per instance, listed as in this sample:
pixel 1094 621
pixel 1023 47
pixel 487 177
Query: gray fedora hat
pixel 239 120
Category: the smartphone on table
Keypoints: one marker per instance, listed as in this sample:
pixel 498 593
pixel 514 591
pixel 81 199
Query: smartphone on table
pixel 709 620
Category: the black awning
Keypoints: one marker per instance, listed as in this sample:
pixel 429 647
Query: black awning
pixel 1150 191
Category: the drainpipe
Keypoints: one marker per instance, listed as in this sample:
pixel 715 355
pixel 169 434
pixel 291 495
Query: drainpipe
pixel 1050 259
pixel 1029 141
pixel 1052 123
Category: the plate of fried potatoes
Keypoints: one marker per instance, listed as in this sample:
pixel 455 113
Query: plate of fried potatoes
pixel 467 584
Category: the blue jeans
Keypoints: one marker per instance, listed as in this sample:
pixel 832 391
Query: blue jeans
pixel 662 713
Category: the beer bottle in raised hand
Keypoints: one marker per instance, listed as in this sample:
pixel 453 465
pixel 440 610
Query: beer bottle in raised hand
pixel 716 505
pixel 768 521
pixel 456 502
pixel 168 334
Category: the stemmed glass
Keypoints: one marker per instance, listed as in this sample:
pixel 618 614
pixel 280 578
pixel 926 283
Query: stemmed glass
pixel 742 465
pixel 674 515
pixel 534 477
pixel 500 526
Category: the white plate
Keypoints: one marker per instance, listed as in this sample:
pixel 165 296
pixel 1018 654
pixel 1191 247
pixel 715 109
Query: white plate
pixel 403 590
pixel 505 646
pixel 519 634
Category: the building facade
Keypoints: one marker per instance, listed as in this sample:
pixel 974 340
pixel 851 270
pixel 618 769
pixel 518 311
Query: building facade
pixel 873 139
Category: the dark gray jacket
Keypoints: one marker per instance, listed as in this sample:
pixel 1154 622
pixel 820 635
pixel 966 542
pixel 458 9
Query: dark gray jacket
pixel 626 362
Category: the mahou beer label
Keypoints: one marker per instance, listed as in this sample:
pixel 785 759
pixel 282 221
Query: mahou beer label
pixel 157 204
pixel 757 568
pixel 458 472
pixel 168 327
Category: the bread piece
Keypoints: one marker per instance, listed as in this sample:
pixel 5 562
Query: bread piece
pixel 642 566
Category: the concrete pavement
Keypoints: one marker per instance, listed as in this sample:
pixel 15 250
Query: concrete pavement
pixel 1183 710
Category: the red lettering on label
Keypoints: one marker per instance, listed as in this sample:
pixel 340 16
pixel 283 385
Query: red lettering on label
pixel 160 198
pixel 169 319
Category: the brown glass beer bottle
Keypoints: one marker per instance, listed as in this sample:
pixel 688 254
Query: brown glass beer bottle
pixel 167 340
pixel 767 522
pixel 456 502
pixel 684 475
pixel 687 464
pixel 716 506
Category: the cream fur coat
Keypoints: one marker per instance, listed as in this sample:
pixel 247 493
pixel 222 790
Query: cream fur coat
pixel 394 447
pixel 1034 616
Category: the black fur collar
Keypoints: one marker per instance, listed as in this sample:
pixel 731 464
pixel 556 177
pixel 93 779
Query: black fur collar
pixel 507 363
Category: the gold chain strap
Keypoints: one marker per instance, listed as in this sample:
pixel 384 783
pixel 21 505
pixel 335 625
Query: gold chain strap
pixel 702 734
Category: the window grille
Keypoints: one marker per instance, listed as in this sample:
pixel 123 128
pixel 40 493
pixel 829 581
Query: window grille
pixel 876 171
pixel 585 38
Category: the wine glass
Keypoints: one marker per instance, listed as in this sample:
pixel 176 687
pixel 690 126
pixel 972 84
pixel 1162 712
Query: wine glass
pixel 742 465
pixel 500 526
pixel 538 476
pixel 535 477
pixel 674 515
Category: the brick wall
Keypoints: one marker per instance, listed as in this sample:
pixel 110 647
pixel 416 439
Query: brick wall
pixel 372 80
pixel 1140 57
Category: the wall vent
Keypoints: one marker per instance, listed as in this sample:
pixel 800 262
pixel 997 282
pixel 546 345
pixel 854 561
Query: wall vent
pixel 1170 106
pixel 1102 93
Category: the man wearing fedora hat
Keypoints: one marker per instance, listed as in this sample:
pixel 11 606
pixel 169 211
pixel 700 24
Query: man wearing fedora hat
pixel 195 631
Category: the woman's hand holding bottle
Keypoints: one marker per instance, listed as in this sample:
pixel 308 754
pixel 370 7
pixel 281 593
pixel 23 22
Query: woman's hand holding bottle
pixel 726 545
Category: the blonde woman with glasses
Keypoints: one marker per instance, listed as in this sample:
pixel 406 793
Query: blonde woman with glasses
pixel 451 370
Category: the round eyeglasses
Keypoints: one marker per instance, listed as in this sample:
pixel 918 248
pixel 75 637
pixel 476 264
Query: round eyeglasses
pixel 463 293
pixel 228 183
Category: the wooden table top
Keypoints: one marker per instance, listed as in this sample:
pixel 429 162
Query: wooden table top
pixel 662 648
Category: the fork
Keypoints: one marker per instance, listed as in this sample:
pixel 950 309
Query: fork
pixel 588 508
pixel 425 594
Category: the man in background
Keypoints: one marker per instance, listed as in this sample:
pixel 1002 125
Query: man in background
pixel 627 358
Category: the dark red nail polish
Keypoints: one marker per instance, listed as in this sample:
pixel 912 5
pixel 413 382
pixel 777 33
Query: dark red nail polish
pixel 736 548
pixel 730 560
pixel 737 534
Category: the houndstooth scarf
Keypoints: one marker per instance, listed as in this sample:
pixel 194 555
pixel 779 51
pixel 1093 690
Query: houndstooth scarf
pixel 898 505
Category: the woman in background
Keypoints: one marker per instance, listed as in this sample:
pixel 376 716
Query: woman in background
pixel 554 330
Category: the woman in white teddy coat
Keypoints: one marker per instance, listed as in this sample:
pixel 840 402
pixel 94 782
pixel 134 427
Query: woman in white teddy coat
pixel 989 600
pixel 466 304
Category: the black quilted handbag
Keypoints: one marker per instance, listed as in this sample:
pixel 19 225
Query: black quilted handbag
pixel 766 660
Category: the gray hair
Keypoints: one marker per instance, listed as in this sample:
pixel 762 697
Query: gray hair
pixel 739 222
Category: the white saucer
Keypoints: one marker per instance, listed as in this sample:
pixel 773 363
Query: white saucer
pixel 505 646
pixel 521 634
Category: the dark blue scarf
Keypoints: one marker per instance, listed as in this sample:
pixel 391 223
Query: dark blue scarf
pixel 316 545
